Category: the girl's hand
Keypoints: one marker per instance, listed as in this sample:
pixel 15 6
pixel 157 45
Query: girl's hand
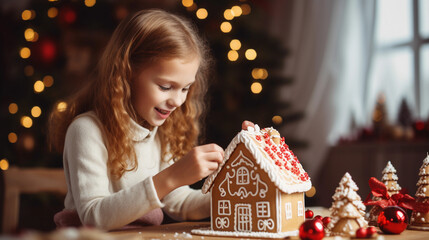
pixel 246 124
pixel 194 166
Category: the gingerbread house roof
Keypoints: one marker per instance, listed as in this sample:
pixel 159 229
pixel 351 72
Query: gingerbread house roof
pixel 272 155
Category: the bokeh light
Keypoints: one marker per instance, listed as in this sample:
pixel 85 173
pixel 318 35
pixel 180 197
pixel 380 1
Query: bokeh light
pixel 277 119
pixel 90 3
pixel 246 9
pixel 4 164
pixel 250 54
pixel 202 13
pixel 26 122
pixel 235 44
pixel 226 27
pixel 12 137
pixel 28 15
pixel 48 81
pixel 52 12
pixel 228 14
pixel 187 3
pixel 311 192
pixel 36 111
pixel 236 11
pixel 232 55
pixel 13 108
pixel 61 106
pixel 25 52
pixel 256 88
pixel 39 86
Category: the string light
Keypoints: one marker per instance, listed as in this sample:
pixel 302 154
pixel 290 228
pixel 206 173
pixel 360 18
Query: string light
pixel 228 14
pixel 311 192
pixel 202 13
pixel 187 3
pixel 52 12
pixel 250 54
pixel 236 11
pixel 235 44
pixel 25 53
pixel 12 137
pixel 245 9
pixel 226 27
pixel 90 3
pixel 61 106
pixel 13 108
pixel 39 86
pixel 29 34
pixel 36 111
pixel 26 122
pixel 277 119
pixel 259 73
pixel 4 164
pixel 232 55
pixel 28 15
pixel 256 88
pixel 48 81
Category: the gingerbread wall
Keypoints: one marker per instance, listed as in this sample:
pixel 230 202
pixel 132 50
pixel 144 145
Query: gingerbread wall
pixel 292 211
pixel 243 196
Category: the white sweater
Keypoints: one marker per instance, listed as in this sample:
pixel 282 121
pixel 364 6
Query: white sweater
pixel 109 204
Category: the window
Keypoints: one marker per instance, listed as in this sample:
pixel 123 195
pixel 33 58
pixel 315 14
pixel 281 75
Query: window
pixel 263 209
pixel 300 208
pixel 288 208
pixel 242 176
pixel 224 207
pixel 401 53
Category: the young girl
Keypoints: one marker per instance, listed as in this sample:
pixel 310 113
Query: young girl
pixel 128 138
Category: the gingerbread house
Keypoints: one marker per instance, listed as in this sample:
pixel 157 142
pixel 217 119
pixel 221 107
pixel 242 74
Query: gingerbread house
pixel 258 190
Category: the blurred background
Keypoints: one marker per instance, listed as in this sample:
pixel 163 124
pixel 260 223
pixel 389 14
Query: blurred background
pixel 345 82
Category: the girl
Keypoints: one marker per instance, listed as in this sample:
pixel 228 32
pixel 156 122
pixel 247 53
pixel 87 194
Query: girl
pixel 128 138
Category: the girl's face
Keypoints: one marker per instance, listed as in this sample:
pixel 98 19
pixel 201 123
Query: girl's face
pixel 161 87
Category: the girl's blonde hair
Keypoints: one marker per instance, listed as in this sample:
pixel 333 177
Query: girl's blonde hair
pixel 143 38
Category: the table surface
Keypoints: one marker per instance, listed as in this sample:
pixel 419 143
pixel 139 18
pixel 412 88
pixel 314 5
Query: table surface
pixel 183 231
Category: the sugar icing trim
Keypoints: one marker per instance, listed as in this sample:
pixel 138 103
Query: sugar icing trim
pixel 207 231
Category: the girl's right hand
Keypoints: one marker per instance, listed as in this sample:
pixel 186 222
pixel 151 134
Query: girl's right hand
pixel 194 166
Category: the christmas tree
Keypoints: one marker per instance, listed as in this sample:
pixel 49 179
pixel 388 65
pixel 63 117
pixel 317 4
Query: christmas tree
pixel 347 210
pixel 390 179
pixel 420 220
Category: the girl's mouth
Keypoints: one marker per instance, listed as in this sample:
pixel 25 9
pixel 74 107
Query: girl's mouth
pixel 163 113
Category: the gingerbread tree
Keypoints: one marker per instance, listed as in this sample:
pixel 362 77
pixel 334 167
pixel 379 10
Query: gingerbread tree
pixel 390 179
pixel 420 220
pixel 347 210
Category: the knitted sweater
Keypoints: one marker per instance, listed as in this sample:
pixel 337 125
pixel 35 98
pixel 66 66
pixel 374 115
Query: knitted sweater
pixel 109 204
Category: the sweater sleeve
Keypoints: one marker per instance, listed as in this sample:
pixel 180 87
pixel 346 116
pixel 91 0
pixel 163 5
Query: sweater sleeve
pixel 85 164
pixel 185 203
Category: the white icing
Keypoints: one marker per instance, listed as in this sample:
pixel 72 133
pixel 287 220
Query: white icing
pixel 389 168
pixel 207 231
pixel 283 179
pixel 264 224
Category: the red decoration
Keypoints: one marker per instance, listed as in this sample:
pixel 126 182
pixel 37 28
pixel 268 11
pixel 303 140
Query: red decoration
pixel 370 231
pixel 378 189
pixel 67 15
pixel 318 217
pixel 309 214
pixel 312 230
pixel 326 221
pixel 361 233
pixel 392 219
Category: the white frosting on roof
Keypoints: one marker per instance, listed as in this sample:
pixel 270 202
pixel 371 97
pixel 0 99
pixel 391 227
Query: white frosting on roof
pixel 389 168
pixel 278 161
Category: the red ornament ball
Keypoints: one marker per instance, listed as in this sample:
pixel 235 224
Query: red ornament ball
pixel 361 232
pixel 318 217
pixel 326 221
pixel 309 214
pixel 312 230
pixel 370 231
pixel 392 220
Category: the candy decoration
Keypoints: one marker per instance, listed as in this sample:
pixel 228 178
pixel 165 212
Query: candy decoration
pixel 393 219
pixel 312 230
pixel 309 214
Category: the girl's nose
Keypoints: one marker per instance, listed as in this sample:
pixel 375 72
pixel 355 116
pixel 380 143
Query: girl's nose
pixel 177 99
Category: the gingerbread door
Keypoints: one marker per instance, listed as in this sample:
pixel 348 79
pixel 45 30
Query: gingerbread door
pixel 243 218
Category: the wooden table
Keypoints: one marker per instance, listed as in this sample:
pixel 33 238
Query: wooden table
pixel 183 231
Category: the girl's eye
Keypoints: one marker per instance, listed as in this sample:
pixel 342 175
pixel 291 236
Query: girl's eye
pixel 164 88
pixel 185 89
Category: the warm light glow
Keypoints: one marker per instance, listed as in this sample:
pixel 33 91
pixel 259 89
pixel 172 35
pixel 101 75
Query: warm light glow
pixel 39 86
pixel 28 15
pixel 259 73
pixel 226 27
pixel 202 13
pixel 36 111
pixel 13 108
pixel 53 0
pixel 311 192
pixel 26 122
pixel 236 11
pixel 232 55
pixel 25 52
pixel 28 142
pixel 264 73
pixel 12 137
pixel 235 44
pixel 4 164
pixel 28 70
pixel 228 14
pixel 61 106
pixel 90 3
pixel 277 120
pixel 256 88
pixel 187 3
pixel 52 12
pixel 245 9
pixel 29 34
pixel 48 81
pixel 250 54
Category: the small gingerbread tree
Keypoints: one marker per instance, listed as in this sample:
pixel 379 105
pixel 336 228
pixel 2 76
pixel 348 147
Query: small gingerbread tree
pixel 347 210
pixel 420 220
pixel 390 179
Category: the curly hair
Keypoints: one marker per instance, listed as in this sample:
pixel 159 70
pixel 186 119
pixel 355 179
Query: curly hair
pixel 143 38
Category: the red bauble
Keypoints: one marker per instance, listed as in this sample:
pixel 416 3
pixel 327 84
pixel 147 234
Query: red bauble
pixel 326 221
pixel 361 233
pixel 312 230
pixel 392 219
pixel 318 217
pixel 370 231
pixel 309 214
